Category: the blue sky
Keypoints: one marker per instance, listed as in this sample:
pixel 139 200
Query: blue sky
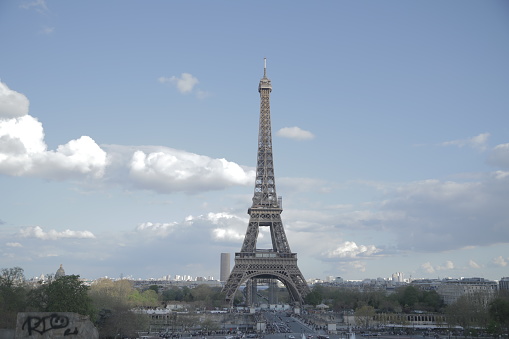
pixel 128 135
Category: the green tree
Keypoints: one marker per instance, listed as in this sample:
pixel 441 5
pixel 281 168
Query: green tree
pixel 408 297
pixel 155 288
pixel 12 295
pixel 499 314
pixel 64 294
pixel 314 297
pixel 115 301
pixel 146 298
pixel 344 299
pixel 173 294
pixel 207 297
pixel 431 301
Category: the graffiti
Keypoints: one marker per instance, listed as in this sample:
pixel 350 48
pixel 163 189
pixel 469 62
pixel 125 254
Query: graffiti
pixel 42 325
pixel 68 332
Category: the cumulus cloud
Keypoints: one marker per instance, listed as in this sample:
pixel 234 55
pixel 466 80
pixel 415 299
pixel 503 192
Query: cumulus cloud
pixel 229 227
pixel 448 265
pixel 169 170
pixel 427 267
pixel 24 152
pixel 294 133
pixel 500 261
pixel 12 103
pixel 230 235
pixel 478 142
pixel 14 244
pixel 184 84
pixel 218 227
pixel 39 233
pixel 473 264
pixel 158 229
pixel 499 156
pixel 350 250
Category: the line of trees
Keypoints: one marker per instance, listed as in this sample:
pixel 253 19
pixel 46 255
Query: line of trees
pixel 109 304
pixel 404 299
pixel 472 312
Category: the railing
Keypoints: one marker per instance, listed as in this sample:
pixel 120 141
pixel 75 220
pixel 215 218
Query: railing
pixel 265 254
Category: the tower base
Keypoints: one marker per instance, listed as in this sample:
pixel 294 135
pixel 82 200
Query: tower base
pixel 267 265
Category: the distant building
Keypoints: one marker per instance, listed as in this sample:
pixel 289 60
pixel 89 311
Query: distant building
pixel 398 277
pixel 338 280
pixel 225 267
pixel 451 290
pixel 60 272
pixel 503 284
pixel 427 284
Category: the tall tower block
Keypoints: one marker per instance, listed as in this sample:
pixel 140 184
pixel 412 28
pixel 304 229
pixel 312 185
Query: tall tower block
pixel 278 262
pixel 225 267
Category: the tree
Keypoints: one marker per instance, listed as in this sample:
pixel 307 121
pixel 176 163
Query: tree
pixel 314 297
pixel 12 295
pixel 499 314
pixel 114 301
pixel 364 316
pixel 146 298
pixel 64 294
pixel 469 311
pixel 173 294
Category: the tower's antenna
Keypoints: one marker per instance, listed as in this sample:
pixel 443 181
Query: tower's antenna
pixel 264 67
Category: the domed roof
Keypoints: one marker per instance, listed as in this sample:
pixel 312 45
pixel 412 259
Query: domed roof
pixel 60 272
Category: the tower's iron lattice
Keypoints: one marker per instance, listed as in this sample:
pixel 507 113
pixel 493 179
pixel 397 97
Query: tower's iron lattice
pixel 253 264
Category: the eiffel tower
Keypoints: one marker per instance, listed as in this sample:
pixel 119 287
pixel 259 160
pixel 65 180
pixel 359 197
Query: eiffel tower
pixel 253 265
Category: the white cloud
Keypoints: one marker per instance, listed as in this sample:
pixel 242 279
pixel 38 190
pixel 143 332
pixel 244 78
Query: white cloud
pixel 12 103
pixel 47 30
pixel 473 264
pixel 39 233
pixel 24 152
pixel 168 170
pixel 14 244
pixel 500 261
pixel 294 133
pixel 185 83
pixel 448 265
pixel 219 227
pixel 477 142
pixel 428 267
pixel 158 229
pixel 202 94
pixel 232 228
pixel 358 265
pixel 499 156
pixel 224 234
pixel 39 5
pixel 350 249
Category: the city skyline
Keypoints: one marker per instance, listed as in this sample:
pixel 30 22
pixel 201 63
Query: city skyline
pixel 128 135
